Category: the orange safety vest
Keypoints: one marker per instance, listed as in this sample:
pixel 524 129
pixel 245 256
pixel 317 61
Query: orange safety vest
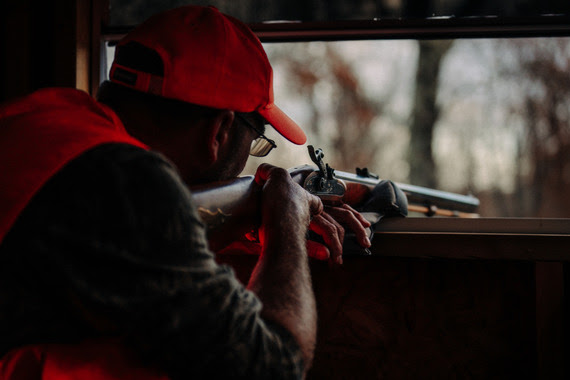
pixel 40 134
pixel 89 360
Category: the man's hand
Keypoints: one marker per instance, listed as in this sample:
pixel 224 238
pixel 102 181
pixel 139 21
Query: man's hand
pixel 330 225
pixel 281 278
pixel 284 201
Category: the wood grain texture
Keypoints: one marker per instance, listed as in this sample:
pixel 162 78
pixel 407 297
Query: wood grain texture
pixel 412 318
pixel 390 318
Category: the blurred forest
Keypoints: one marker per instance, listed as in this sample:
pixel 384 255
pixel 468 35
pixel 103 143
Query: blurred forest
pixel 487 117
pixel 484 116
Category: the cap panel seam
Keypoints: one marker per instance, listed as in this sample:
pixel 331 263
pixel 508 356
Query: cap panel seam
pixel 222 72
pixel 167 67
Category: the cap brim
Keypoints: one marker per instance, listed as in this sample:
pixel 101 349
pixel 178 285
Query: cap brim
pixel 283 124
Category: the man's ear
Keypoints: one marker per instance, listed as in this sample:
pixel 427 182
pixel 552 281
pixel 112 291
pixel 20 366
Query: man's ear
pixel 218 133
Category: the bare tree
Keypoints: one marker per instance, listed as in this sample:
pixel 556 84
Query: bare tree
pixel 354 114
pixel 548 129
pixel 346 124
pixel 425 112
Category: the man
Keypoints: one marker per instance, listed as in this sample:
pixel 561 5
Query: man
pixel 104 265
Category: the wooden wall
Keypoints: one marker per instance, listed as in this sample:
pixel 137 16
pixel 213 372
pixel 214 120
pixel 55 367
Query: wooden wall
pixel 400 316
pixel 47 43
pixel 397 318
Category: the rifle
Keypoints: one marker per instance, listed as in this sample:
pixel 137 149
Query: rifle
pixel 423 200
pixel 231 209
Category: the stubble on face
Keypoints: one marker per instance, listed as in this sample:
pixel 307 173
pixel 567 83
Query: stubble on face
pixel 231 160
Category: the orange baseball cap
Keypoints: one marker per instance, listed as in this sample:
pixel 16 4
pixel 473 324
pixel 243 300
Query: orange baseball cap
pixel 199 55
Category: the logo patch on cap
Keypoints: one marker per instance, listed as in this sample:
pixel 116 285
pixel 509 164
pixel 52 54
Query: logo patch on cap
pixel 127 77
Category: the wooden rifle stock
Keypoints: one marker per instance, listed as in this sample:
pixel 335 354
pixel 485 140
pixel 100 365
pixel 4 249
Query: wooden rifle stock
pixel 230 209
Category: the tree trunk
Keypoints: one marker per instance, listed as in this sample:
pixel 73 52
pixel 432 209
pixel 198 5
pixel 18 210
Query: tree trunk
pixel 425 113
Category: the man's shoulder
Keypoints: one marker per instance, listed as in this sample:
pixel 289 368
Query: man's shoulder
pixel 121 155
pixel 113 165
pixel 108 189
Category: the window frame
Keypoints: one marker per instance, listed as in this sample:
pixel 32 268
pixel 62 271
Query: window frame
pixel 543 242
pixel 553 232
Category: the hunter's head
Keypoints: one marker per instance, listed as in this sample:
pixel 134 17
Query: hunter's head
pixel 196 84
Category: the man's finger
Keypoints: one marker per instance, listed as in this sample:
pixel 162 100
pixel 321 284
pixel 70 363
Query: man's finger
pixel 332 234
pixel 358 215
pixel 339 228
pixel 263 172
pixel 353 221
pixel 317 251
pixel 315 204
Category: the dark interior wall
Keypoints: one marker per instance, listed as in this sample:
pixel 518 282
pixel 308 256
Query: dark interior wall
pixel 412 318
pixel 37 46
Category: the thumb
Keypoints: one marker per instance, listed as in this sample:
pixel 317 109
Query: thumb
pixel 315 204
pixel 317 251
pixel 262 174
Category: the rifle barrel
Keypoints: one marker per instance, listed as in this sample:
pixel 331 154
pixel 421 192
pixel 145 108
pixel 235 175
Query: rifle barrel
pixel 422 195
